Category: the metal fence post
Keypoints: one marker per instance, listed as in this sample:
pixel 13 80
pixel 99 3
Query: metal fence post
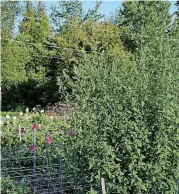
pixel 20 137
pixel 35 158
pixel 60 167
pixel 47 162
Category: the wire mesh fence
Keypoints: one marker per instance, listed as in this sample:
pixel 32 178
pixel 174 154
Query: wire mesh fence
pixel 38 167
pixel 34 161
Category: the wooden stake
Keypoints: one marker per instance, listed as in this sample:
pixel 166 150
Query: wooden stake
pixel 27 110
pixel 103 186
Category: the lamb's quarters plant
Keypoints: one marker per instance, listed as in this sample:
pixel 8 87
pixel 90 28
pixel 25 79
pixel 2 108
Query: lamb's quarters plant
pixel 126 113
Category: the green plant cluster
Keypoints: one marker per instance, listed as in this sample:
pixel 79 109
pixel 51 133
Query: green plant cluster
pixel 17 158
pixel 10 128
pixel 7 185
pixel 127 115
pixel 3 114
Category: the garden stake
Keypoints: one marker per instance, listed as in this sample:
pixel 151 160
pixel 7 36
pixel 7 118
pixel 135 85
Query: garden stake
pixel 35 158
pixel 60 167
pixel 27 110
pixel 103 186
pixel 47 163
pixel 20 137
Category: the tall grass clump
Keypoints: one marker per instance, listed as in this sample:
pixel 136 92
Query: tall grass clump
pixel 126 114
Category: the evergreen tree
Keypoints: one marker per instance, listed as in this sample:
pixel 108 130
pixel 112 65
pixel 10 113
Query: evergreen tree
pixel 175 25
pixel 28 35
pixel 34 32
pixel 35 29
pixel 93 14
pixel 28 25
pixel 43 28
pixel 174 32
pixel 65 13
pixel 70 12
pixel 142 21
pixel 44 53
pixel 177 12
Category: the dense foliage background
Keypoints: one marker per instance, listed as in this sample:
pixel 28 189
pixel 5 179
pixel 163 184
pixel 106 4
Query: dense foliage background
pixel 120 75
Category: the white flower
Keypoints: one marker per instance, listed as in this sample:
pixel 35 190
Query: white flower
pixel 7 117
pixel 21 113
pixel 14 118
pixel 42 111
pixel 27 110
pixel 51 117
pixel 1 122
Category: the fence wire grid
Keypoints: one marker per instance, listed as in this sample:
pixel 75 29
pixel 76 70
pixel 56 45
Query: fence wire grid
pixel 35 169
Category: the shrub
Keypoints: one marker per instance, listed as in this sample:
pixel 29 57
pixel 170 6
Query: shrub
pixel 126 116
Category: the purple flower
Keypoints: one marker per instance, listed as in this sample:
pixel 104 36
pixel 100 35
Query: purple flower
pixel 31 148
pixel 35 126
pixel 49 140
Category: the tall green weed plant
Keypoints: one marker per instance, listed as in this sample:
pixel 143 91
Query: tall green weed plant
pixel 126 113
